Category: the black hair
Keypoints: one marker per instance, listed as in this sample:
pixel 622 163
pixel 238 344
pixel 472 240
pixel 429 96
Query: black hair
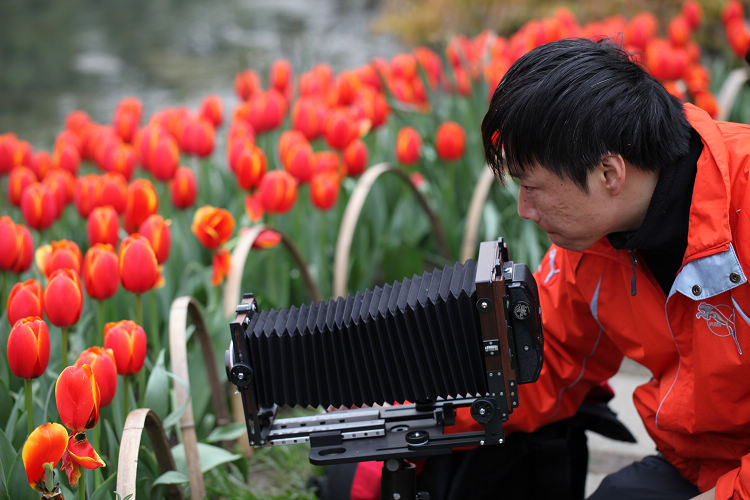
pixel 567 104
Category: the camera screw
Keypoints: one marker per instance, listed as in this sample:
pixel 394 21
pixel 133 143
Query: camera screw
pixel 483 305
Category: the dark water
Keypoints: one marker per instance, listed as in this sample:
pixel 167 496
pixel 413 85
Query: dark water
pixel 61 55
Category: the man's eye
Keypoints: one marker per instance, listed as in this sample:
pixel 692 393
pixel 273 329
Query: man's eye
pixel 528 189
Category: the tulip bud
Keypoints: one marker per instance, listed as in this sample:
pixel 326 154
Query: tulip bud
pixel 142 201
pixel 38 206
pixel 45 446
pixel 25 300
pixel 246 84
pixel 63 254
pixel 408 146
pixel 307 117
pixel 254 208
pixel 112 190
pixel 355 158
pixel 139 271
pixel 127 340
pixel 212 226
pixel 324 190
pixel 41 163
pixel 101 273
pixel 103 226
pixel 183 188
pixel 164 158
pixel 102 363
pixel 280 75
pixel 450 141
pixel 250 166
pixel 25 249
pixel 277 191
pixel 8 243
pixel 85 194
pixel 211 109
pixel 299 161
pixel 28 347
pixel 156 231
pixel 18 180
pixel 63 298
pixel 78 398
pixel 340 129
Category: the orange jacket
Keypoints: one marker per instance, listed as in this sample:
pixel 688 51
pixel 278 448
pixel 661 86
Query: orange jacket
pixel 695 342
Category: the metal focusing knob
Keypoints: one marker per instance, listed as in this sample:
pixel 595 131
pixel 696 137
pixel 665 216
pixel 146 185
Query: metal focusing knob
pixel 241 375
pixel 483 410
pixel 417 437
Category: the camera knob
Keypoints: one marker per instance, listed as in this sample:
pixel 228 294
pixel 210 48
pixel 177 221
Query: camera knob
pixel 241 375
pixel 483 410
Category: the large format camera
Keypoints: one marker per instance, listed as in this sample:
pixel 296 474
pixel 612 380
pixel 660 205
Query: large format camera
pixel 407 355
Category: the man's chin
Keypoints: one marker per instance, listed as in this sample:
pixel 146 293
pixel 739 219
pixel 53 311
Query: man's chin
pixel 572 245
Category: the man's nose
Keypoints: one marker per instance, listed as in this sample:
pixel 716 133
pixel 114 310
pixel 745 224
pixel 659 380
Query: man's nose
pixel 526 209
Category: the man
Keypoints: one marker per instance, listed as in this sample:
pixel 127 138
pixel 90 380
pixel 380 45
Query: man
pixel 646 204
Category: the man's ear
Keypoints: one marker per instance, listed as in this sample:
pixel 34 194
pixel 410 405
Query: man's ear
pixel 612 173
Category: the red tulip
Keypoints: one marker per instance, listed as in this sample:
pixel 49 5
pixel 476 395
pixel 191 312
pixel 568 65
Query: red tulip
pixel 249 166
pixel 183 188
pixel 329 161
pixel 25 249
pixel 80 453
pixel 78 398
pixel 62 184
pixel 142 201
pixel 346 86
pixel 7 152
pixel 103 226
pixel 246 84
pixel 25 300
pixel 38 206
pixel 408 145
pixel 340 129
pixel 308 116
pixel 8 243
pixel 156 231
pixel 85 194
pixel 139 270
pixel 212 226
pixel 280 76
pixel 211 109
pixel 278 191
pixel 707 102
pixel 66 157
pixel 693 13
pixel 119 158
pixel 738 36
pixel 450 141
pixel 63 298
pixel 299 161
pixel 198 138
pixel 44 446
pixel 59 255
pixel 287 140
pixel 101 273
pixel 220 264
pixel 102 363
pixel 732 11
pixel 41 163
pixel 164 158
pixel 267 239
pixel 76 121
pixel 641 29
pixel 128 343
pixel 18 180
pixel 679 31
pixel 254 208
pixel 324 190
pixel 28 347
pixel 355 158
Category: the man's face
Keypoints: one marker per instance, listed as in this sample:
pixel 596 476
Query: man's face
pixel 572 218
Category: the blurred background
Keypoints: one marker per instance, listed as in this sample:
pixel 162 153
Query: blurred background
pixel 58 56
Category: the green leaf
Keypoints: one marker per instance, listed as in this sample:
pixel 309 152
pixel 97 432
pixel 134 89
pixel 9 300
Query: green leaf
pixel 106 489
pixel 210 457
pixel 157 389
pixel 5 401
pixel 226 432
pixel 18 484
pixel 171 477
pixel 7 458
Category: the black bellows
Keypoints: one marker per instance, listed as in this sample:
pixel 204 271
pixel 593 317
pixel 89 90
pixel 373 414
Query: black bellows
pixel 414 340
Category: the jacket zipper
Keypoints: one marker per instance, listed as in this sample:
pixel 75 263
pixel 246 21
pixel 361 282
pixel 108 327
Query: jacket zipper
pixel 633 261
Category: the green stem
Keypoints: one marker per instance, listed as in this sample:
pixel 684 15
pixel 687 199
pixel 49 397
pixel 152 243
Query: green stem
pixel 100 321
pixel 29 405
pixel 96 438
pixel 125 397
pixel 154 320
pixel 65 346
pixel 82 485
pixel 139 309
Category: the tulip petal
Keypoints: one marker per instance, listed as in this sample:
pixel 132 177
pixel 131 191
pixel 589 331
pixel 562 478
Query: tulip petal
pixel 46 444
pixel 81 452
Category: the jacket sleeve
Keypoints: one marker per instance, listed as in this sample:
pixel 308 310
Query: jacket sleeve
pixel 578 355
pixel 735 483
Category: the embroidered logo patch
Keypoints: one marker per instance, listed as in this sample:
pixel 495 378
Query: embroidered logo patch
pixel 552 269
pixel 720 320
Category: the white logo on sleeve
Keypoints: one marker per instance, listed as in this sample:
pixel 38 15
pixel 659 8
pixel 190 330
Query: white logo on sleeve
pixel 720 320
